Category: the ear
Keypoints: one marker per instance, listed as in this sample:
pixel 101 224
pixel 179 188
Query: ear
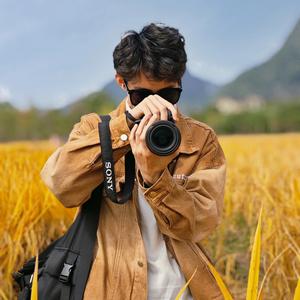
pixel 120 81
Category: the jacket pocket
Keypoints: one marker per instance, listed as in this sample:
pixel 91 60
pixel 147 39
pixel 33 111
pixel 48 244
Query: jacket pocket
pixel 180 179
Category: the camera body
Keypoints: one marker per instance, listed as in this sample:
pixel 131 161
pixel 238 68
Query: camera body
pixel 163 137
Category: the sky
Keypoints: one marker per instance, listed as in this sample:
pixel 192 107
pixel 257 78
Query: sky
pixel 53 52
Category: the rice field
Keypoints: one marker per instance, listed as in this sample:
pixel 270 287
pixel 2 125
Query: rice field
pixel 261 169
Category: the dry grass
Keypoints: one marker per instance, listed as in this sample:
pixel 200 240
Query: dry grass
pixel 31 217
pixel 261 169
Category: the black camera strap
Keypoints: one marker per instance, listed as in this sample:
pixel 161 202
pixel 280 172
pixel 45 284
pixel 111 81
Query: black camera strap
pixel 109 174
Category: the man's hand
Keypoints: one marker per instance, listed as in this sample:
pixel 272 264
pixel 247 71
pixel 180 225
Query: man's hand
pixel 154 104
pixel 150 165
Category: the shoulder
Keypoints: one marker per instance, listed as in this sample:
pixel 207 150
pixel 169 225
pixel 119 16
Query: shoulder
pixel 200 130
pixel 91 119
pixel 86 123
pixel 206 140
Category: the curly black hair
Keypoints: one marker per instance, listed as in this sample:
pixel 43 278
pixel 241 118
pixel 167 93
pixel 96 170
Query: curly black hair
pixel 157 51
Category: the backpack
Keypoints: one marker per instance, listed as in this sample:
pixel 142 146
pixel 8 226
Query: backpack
pixel 64 266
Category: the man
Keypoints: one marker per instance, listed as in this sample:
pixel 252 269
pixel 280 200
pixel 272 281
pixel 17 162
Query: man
pixel 150 246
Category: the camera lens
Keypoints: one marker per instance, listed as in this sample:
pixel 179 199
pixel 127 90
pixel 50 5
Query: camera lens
pixel 163 137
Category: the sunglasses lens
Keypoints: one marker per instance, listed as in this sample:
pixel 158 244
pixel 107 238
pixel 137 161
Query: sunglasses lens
pixel 171 95
pixel 137 96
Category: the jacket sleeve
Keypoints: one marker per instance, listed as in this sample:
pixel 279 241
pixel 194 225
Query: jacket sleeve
pixel 192 210
pixel 74 169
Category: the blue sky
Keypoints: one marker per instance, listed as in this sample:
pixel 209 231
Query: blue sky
pixel 52 52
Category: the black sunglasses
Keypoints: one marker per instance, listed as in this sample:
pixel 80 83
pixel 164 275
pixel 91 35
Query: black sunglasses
pixel 170 94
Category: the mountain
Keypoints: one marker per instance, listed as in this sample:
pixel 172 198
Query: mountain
pixel 277 78
pixel 196 93
pixel 97 101
pixel 6 106
pixel 34 123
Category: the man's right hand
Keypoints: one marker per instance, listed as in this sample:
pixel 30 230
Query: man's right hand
pixel 154 104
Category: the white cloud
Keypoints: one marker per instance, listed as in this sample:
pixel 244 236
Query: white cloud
pixel 5 94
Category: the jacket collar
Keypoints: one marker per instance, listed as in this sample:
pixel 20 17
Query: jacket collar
pixel 186 145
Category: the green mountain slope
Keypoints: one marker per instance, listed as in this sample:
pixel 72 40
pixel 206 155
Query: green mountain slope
pixel 34 123
pixel 279 77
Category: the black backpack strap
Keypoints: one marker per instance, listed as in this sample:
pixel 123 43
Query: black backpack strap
pixel 108 168
pixel 86 244
pixel 64 276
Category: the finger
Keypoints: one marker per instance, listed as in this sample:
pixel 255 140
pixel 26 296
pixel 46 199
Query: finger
pixel 142 106
pixel 177 110
pixel 152 120
pixel 169 105
pixel 152 105
pixel 141 126
pixel 163 112
pixel 132 135
pixel 140 110
pixel 147 110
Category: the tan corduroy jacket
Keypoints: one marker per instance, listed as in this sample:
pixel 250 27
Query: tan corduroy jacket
pixel 187 201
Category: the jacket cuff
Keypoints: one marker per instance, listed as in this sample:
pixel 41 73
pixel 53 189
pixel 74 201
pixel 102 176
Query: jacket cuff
pixel 159 189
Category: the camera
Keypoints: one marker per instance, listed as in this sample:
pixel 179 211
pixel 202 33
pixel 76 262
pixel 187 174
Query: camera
pixel 163 137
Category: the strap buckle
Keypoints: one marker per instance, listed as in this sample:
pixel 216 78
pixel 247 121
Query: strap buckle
pixel 65 273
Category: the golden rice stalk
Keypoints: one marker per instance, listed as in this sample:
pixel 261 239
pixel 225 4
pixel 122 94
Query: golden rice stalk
pixel 184 287
pixel 220 282
pixel 269 269
pixel 253 275
pixel 34 290
pixel 297 291
pixel 3 295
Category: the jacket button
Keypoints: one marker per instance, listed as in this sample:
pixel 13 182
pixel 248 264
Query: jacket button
pixel 140 263
pixel 124 137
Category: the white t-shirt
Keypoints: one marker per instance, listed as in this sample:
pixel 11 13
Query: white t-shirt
pixel 165 278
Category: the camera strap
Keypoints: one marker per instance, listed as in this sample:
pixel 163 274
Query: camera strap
pixel 108 166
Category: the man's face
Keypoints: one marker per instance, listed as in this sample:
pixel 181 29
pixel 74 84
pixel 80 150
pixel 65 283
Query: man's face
pixel 143 83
